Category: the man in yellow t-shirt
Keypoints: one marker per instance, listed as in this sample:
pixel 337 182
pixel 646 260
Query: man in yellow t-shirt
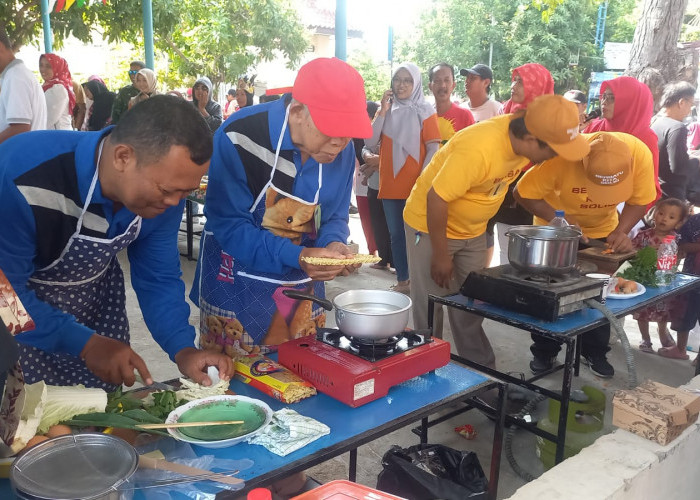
pixel 461 189
pixel 618 169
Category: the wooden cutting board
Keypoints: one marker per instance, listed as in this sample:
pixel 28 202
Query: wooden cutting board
pixel 607 263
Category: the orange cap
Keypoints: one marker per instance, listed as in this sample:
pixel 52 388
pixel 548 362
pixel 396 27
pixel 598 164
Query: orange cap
pixel 608 170
pixel 554 120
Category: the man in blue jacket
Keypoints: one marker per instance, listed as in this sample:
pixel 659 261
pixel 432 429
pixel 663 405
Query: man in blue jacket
pixel 279 191
pixel 70 202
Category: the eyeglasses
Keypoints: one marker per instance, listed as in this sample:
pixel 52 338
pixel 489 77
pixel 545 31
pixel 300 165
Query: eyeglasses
pixel 607 97
pixel 133 71
pixel 402 81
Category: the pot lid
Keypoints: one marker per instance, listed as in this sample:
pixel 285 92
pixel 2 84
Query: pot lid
pixel 78 466
pixel 546 232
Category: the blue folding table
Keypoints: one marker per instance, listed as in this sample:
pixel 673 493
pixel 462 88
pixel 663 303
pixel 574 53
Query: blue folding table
pixel 566 330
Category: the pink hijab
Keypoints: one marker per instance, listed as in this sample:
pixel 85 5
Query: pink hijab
pixel 537 81
pixel 634 108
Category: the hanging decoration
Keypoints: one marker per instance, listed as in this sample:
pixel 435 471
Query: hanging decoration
pixel 59 5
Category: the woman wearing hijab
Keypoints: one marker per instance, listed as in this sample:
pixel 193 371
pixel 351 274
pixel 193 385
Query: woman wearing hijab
pixel 626 105
pixel 528 82
pixel 58 91
pixel 406 126
pixel 100 112
pixel 146 85
pixel 207 107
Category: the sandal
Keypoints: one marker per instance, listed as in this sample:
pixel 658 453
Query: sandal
pixel 379 265
pixel 668 342
pixel 646 347
pixel 672 353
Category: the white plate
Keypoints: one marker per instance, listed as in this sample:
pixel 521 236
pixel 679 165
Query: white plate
pixel 640 290
pixel 174 417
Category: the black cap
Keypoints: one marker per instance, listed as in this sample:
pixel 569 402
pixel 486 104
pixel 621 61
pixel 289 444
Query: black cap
pixel 480 70
pixel 576 96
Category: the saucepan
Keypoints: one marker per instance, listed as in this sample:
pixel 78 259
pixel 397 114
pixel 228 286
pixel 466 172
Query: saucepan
pixel 543 249
pixel 365 314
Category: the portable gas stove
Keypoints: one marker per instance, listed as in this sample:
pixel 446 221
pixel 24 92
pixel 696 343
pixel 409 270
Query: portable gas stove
pixel 357 371
pixel 542 296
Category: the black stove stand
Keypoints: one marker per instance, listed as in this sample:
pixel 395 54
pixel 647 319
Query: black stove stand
pixel 374 350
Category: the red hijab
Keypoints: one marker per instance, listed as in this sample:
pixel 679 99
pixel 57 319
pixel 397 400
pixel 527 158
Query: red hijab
pixel 634 108
pixel 61 76
pixel 537 81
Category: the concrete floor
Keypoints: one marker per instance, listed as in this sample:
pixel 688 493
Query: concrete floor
pixel 512 354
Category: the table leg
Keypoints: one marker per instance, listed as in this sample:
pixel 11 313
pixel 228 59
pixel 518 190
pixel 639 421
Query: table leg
pixel 424 430
pixel 497 441
pixel 352 473
pixel 564 403
pixel 189 223
pixel 577 359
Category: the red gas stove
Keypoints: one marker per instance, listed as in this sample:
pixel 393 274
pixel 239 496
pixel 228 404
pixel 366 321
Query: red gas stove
pixel 356 372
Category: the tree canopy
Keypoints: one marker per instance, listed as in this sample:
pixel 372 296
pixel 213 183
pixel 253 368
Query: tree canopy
pixel 221 39
pixel 558 34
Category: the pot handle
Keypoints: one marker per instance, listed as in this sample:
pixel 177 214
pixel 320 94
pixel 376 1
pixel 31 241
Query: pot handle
pixel 296 294
pixel 509 234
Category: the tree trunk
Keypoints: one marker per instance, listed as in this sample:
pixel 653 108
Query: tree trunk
pixel 655 58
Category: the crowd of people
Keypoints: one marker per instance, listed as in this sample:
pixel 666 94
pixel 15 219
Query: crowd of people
pixel 436 183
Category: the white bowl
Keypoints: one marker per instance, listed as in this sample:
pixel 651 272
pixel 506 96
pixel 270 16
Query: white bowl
pixel 225 399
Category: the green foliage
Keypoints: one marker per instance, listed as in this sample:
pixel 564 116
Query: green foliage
pixel 553 33
pixel 377 77
pixel 221 39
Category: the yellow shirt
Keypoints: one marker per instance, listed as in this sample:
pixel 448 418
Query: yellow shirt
pixel 471 173
pixel 562 184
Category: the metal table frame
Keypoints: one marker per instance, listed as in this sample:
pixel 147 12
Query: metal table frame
pixel 189 227
pixel 565 330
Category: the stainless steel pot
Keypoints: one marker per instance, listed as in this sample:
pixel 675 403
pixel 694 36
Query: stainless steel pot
pixel 365 314
pixel 543 249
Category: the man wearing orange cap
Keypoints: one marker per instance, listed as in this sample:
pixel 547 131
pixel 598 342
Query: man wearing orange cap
pixel 461 189
pixel 279 191
pixel 618 169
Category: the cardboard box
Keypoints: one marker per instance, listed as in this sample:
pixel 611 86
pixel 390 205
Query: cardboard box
pixel 655 411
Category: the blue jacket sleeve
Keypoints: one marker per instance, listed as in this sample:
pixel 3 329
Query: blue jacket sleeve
pixel 227 210
pixel 334 212
pixel 156 278
pixel 56 331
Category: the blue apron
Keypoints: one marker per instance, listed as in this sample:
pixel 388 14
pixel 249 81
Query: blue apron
pixel 242 310
pixel 86 281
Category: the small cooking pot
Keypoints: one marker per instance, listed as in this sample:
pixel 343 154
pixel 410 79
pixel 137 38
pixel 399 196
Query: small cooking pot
pixel 365 314
pixel 543 249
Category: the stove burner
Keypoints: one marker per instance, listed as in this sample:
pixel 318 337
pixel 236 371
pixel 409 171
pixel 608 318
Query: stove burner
pixel 542 279
pixel 373 350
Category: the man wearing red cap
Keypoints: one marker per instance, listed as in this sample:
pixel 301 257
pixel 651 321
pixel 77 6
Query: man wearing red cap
pixel 279 191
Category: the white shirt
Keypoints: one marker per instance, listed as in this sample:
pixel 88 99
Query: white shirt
pixel 21 98
pixel 487 110
pixel 57 114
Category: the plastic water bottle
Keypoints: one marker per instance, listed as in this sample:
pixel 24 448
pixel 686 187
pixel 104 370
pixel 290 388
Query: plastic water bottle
pixel 558 220
pixel 666 258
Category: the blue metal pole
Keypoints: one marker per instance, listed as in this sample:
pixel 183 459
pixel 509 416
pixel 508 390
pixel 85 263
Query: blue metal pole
pixel 148 32
pixel 46 22
pixel 341 29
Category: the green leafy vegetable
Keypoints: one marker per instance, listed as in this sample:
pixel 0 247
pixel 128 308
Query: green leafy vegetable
pixel 163 403
pixel 118 401
pixel 643 268
pixel 119 420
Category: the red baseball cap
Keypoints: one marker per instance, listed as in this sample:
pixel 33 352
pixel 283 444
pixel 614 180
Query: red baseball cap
pixel 334 93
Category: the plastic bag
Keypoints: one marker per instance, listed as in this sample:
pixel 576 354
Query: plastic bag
pixel 425 472
pixel 177 451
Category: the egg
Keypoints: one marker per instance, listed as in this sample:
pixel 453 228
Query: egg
pixel 58 430
pixel 34 441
